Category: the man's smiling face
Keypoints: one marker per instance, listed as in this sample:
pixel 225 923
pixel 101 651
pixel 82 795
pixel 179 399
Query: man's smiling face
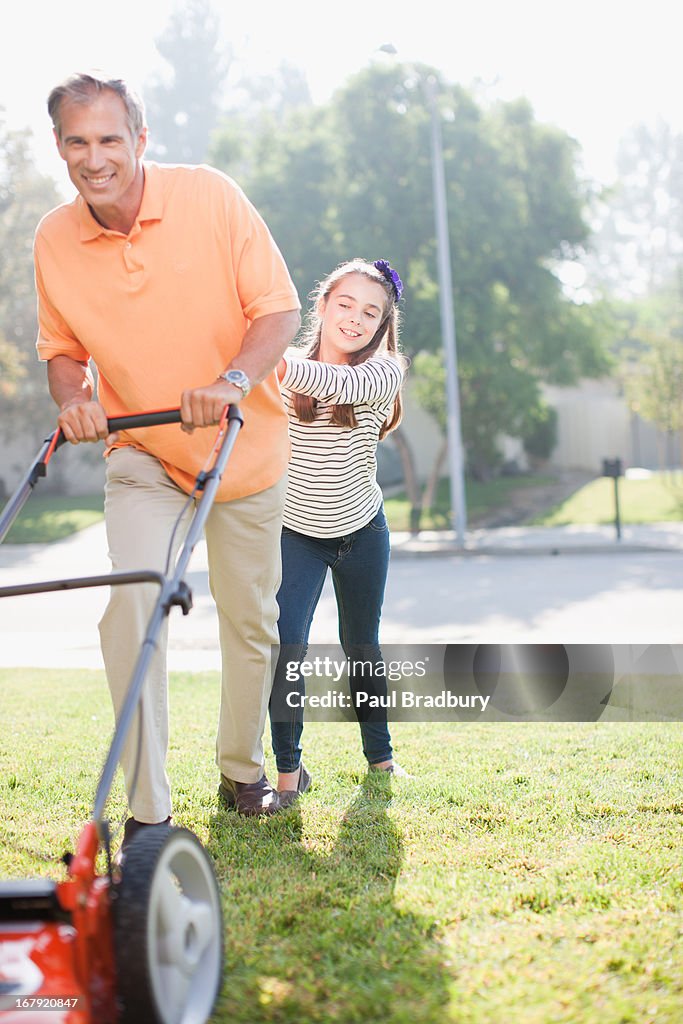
pixel 103 156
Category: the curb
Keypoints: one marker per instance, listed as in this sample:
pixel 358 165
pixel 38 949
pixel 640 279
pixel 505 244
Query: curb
pixel 542 541
pixel 423 551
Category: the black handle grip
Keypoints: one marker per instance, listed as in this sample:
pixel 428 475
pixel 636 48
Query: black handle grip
pixel 155 419
pixel 143 419
pixel 140 419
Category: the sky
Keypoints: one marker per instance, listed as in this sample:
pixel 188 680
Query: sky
pixel 594 68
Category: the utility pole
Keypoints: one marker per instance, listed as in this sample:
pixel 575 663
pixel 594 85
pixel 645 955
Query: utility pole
pixel 453 417
pixel 456 471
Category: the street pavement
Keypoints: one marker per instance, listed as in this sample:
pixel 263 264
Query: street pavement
pixel 575 585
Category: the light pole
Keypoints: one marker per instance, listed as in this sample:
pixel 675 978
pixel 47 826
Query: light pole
pixel 456 470
pixel 455 450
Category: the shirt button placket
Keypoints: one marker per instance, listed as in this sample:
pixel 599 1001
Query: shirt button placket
pixel 130 263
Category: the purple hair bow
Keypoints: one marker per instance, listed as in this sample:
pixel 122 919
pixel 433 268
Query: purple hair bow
pixel 391 276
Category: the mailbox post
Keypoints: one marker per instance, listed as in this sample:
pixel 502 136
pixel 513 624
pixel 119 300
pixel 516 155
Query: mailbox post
pixel 613 468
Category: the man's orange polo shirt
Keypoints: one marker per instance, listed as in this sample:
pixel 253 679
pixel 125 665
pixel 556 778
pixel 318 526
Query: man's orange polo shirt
pixel 166 308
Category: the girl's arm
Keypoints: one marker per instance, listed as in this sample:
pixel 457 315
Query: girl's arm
pixel 374 382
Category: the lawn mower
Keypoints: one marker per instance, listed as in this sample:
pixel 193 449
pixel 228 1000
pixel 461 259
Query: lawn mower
pixel 141 943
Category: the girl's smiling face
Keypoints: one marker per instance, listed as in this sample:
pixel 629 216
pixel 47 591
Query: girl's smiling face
pixel 350 314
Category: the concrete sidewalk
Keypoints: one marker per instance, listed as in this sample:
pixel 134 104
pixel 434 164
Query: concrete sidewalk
pixel 85 552
pixel 542 540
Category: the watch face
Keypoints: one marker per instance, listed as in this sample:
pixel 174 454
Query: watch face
pixel 240 379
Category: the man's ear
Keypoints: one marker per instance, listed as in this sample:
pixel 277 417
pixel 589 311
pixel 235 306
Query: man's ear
pixel 141 144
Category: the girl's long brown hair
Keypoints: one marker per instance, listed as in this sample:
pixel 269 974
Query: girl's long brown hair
pixel 386 337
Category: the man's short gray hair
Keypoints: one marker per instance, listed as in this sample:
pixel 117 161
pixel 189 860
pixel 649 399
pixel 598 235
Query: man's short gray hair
pixel 84 88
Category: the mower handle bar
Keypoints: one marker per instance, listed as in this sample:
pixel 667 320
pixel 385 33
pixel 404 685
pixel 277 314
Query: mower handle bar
pixel 132 421
pixel 144 419
pixel 155 419
pixel 57 439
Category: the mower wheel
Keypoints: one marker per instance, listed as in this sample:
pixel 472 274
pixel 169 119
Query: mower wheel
pixel 168 930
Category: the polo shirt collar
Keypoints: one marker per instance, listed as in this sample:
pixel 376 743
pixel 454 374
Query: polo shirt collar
pixel 151 207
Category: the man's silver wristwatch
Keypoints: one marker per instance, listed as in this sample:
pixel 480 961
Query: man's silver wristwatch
pixel 239 379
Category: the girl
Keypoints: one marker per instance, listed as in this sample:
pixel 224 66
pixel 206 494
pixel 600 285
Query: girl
pixel 343 395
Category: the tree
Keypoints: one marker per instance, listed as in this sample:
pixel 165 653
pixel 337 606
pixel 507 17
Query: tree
pixel 354 178
pixel 429 390
pixel 516 211
pixel 183 108
pixel 639 237
pixel 660 388
pixel 25 196
pixel 651 361
pixel 540 436
pixel 287 169
pixel 656 388
pixel 278 94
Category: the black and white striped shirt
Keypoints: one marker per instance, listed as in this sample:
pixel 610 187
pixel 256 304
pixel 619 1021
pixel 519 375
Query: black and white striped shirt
pixel 333 487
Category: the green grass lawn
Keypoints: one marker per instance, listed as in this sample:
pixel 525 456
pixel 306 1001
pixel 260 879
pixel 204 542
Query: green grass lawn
pixel 46 518
pixel 655 499
pixel 528 872
pixel 481 499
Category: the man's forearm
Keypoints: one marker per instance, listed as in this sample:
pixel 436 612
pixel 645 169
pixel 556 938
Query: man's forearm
pixel 262 347
pixel 81 417
pixel 264 343
pixel 69 381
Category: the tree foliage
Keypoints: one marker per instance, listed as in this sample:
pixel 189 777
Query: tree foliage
pixel 353 177
pixel 183 107
pixel 639 241
pixel 276 94
pixel 658 388
pixel 651 357
pixel 25 195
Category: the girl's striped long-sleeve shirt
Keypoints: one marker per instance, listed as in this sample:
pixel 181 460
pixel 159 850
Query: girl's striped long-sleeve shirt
pixel 332 489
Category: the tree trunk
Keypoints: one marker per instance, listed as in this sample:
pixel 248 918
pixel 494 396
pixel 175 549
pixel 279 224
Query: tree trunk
pixel 434 476
pixel 409 477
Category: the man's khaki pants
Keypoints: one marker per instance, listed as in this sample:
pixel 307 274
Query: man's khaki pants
pixel 142 505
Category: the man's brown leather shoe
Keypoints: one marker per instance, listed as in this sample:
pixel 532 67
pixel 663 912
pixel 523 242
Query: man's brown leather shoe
pixel 249 797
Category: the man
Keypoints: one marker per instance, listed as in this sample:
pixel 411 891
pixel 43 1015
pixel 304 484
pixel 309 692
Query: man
pixel 167 279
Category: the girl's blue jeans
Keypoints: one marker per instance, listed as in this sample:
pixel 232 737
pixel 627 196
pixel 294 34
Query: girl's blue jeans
pixel 359 563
